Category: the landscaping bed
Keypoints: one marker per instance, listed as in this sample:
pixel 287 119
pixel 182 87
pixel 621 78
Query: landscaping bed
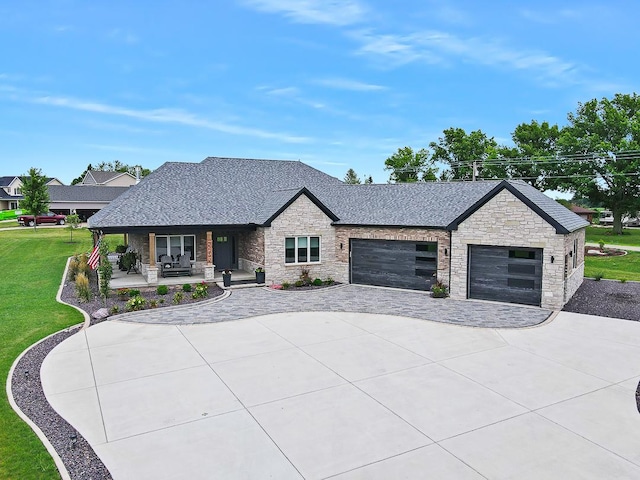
pixel 607 298
pixel 121 300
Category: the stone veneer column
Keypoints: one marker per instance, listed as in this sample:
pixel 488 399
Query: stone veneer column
pixel 209 268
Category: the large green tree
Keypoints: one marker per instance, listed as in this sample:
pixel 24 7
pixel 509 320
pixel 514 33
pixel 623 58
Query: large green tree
pixel 600 153
pixel 35 193
pixel 408 166
pixel 459 150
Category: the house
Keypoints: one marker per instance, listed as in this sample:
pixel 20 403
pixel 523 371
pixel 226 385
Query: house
pixel 83 200
pixel 490 240
pixel 11 191
pixel 108 179
pixel 584 213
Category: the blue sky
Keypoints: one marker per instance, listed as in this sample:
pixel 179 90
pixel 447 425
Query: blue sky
pixel 336 84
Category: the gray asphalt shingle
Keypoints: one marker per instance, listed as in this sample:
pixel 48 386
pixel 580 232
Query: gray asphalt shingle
pixel 228 191
pixel 84 193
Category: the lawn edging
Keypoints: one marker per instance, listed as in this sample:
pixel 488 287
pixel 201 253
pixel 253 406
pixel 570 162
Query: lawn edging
pixel 87 317
pixel 64 473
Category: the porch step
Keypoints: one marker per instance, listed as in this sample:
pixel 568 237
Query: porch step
pixel 240 284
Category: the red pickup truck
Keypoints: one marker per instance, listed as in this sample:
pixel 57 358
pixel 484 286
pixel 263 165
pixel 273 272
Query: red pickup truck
pixel 49 217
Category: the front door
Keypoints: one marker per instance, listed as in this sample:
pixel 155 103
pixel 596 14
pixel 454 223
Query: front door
pixel 224 252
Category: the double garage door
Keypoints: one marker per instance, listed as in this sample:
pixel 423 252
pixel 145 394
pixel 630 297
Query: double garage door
pixel 505 274
pixel 393 263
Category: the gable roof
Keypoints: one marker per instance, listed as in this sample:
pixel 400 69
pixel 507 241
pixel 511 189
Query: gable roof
pixel 98 177
pixel 558 216
pixel 6 181
pixel 84 193
pixel 236 192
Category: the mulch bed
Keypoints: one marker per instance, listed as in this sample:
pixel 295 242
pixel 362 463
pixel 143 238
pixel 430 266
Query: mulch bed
pixel 607 298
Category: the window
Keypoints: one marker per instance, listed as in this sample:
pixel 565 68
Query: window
pixel 575 253
pixel 529 254
pixel 176 245
pixel 302 250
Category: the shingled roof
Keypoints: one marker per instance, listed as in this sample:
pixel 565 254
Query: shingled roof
pixel 99 177
pixel 241 192
pixel 84 193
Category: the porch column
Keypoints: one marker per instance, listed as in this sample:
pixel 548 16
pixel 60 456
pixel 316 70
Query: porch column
pixel 152 249
pixel 152 271
pixel 209 268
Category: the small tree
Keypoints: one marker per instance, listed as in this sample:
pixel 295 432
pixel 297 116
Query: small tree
pixel 352 177
pixel 35 193
pixel 73 222
pixel 368 180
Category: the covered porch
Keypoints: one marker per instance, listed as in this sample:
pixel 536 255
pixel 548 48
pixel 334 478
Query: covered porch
pixel 209 249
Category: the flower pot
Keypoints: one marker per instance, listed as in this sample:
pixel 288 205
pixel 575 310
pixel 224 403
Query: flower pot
pixel 260 277
pixel 226 279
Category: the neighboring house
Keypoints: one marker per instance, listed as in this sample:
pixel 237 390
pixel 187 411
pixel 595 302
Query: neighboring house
pixel 11 191
pixel 584 213
pixel 108 179
pixel 492 240
pixel 83 200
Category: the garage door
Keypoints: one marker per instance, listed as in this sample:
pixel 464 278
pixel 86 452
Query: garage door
pixel 505 274
pixel 393 263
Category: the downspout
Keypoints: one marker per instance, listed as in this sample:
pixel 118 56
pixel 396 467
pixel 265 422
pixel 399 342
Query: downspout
pixel 450 253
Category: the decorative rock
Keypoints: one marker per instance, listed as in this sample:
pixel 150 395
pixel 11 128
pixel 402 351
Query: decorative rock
pixel 100 314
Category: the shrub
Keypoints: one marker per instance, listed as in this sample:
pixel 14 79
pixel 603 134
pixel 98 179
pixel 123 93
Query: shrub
pixel 623 280
pixel 317 282
pixel 598 276
pixel 329 281
pixel 201 290
pixel 153 303
pixel 304 277
pixel 299 283
pixel 162 290
pixel 186 287
pixel 121 248
pixel 114 310
pixel 122 293
pixel 601 243
pixel 134 293
pixel 73 268
pixel 135 303
pixel 177 297
pixel 82 287
pixel 161 301
pixel 286 285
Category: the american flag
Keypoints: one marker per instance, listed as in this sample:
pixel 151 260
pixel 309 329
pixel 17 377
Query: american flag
pixel 94 258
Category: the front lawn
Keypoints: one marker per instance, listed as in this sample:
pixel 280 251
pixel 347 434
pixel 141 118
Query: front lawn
pixel 630 236
pixel 626 267
pixel 31 264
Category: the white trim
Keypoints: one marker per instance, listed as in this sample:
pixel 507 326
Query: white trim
pixel 308 237
pixel 181 236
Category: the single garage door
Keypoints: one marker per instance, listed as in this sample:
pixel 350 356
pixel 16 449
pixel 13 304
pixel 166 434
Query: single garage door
pixel 505 274
pixel 393 263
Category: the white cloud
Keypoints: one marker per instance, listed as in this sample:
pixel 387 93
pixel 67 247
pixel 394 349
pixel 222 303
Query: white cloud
pixel 347 84
pixel 123 36
pixel 331 12
pixel 442 47
pixel 166 115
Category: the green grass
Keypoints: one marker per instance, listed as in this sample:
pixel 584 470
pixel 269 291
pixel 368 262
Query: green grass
pixel 9 223
pixel 31 264
pixel 630 236
pixel 626 267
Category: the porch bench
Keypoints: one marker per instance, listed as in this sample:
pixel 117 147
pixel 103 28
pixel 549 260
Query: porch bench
pixel 169 267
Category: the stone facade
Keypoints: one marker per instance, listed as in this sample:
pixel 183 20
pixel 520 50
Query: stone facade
pixel 251 249
pixel 506 221
pixel 302 218
pixel 344 233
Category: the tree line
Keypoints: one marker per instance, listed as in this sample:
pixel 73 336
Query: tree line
pixel 596 155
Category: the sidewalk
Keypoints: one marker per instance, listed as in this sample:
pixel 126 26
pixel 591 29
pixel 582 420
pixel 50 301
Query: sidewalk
pixel 621 247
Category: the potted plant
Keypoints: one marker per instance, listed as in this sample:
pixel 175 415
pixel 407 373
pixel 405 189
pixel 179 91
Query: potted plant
pixel 226 277
pixel 260 275
pixel 439 290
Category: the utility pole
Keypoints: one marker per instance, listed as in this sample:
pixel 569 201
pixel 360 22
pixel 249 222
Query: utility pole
pixel 475 171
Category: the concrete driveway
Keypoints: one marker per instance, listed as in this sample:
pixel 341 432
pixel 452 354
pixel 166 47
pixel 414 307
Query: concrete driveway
pixel 354 396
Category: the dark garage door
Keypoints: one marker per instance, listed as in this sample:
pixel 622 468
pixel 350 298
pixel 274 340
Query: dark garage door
pixel 393 263
pixel 505 274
